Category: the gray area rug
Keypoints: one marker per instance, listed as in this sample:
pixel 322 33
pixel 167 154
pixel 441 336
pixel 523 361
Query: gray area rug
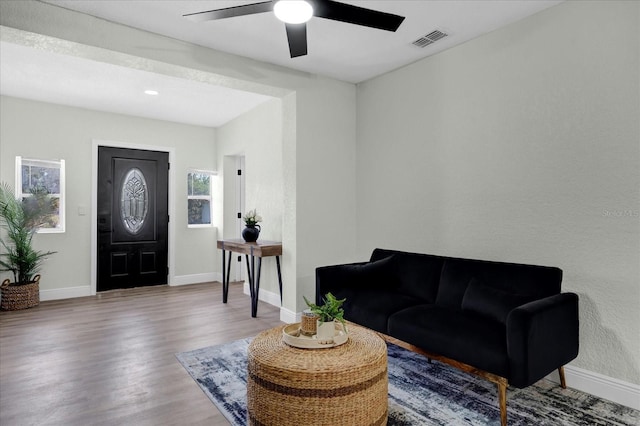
pixel 419 393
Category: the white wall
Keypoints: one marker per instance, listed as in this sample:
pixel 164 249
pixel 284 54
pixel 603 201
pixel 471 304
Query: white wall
pixel 46 131
pixel 323 168
pixel 318 123
pixel 257 135
pixel 522 146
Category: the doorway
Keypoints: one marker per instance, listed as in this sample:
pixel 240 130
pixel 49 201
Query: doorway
pixel 132 218
pixel 234 206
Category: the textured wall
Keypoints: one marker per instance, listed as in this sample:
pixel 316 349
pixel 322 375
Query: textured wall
pixel 521 145
pixel 257 135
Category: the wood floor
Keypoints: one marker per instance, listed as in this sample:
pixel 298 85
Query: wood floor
pixel 110 359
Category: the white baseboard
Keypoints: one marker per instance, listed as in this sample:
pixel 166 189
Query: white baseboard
pixel 266 296
pixel 273 298
pixel 83 291
pixel 621 392
pixel 65 293
pixel 196 278
pixel 289 316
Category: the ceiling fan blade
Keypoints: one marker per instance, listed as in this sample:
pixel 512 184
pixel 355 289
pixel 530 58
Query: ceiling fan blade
pixel 297 36
pixel 337 11
pixel 230 12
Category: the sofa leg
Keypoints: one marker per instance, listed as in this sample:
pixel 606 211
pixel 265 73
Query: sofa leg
pixel 502 397
pixel 563 381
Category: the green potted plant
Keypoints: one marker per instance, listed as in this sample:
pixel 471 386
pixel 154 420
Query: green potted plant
pixel 20 219
pixel 328 313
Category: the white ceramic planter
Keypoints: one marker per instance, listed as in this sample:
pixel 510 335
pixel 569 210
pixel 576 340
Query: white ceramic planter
pixel 325 331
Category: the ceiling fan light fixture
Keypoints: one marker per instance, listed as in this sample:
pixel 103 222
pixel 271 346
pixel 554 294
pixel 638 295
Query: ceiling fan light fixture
pixel 293 11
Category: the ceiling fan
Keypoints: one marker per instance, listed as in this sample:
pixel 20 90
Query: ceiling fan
pixel 295 14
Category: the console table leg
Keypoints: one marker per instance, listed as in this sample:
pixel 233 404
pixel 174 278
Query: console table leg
pixel 229 268
pixel 252 289
pixel 256 291
pixel 279 276
pixel 225 276
pixel 246 257
pixel 228 278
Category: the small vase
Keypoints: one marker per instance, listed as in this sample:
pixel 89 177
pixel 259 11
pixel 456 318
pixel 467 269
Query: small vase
pixel 308 323
pixel 251 232
pixel 325 331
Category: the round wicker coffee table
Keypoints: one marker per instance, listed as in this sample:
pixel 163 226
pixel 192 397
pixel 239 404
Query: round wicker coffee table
pixel 344 385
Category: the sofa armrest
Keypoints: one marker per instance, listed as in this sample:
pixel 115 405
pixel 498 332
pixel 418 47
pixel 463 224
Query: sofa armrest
pixel 375 274
pixel 334 277
pixel 542 336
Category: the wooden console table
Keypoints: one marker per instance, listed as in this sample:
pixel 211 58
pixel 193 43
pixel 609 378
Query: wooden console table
pixel 258 249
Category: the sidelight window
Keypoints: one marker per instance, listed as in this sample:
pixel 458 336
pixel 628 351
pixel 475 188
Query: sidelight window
pixel 199 198
pixel 43 175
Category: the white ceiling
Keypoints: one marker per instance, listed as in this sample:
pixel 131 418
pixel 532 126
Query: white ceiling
pixel 69 80
pixel 336 49
pixel 344 51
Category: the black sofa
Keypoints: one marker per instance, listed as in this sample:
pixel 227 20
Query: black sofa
pixel 506 322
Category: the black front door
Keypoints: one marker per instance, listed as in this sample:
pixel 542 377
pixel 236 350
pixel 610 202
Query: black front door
pixel 133 218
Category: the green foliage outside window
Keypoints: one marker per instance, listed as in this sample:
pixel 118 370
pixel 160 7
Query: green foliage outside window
pixel 199 184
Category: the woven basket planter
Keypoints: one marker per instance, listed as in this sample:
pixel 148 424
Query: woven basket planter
pixel 16 297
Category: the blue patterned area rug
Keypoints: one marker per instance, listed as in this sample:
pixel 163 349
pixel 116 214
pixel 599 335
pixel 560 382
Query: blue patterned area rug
pixel 419 393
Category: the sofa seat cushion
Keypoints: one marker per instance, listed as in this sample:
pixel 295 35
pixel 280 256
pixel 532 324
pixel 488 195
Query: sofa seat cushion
pixel 372 308
pixel 463 336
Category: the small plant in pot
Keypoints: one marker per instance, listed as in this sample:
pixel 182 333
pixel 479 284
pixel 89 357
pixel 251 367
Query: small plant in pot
pixel 252 230
pixel 328 313
pixel 20 219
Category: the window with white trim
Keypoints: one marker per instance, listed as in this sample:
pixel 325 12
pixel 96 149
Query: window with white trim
pixel 43 175
pixel 199 198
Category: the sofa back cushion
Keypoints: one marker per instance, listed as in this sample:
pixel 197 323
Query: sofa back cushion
pixel 417 275
pixel 491 302
pixel 378 274
pixel 529 281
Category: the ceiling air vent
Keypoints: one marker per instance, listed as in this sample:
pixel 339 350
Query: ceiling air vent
pixel 430 38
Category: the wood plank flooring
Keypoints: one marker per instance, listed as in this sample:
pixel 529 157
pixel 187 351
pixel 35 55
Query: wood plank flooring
pixel 110 359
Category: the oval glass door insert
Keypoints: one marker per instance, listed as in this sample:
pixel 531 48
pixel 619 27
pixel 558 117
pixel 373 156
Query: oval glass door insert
pixel 134 201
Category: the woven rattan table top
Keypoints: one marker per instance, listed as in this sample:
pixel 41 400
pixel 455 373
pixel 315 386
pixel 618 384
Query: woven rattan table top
pixel 364 347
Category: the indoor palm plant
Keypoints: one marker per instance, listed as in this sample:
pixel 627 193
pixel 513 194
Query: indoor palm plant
pixel 19 219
